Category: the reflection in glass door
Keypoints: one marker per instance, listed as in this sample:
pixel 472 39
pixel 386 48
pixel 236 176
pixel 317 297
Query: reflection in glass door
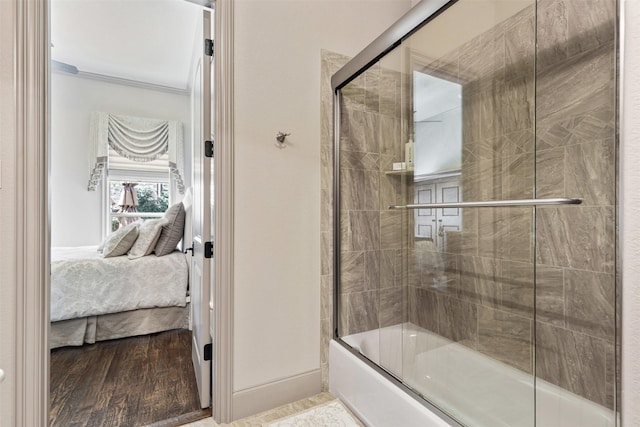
pixel 433 224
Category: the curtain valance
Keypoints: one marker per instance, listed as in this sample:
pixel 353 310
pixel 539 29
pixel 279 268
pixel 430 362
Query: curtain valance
pixel 137 139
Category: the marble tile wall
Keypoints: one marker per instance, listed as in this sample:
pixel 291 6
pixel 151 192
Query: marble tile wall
pixel 330 63
pixel 371 236
pixel 576 157
pixel 481 291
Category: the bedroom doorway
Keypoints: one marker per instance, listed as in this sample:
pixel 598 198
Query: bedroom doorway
pixel 115 99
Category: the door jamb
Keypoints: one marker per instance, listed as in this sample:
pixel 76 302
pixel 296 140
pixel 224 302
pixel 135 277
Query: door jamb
pixel 31 74
pixel 222 320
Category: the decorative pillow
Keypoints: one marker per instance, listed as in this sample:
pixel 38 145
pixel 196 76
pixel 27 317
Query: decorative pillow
pixel 148 234
pixel 172 231
pixel 119 242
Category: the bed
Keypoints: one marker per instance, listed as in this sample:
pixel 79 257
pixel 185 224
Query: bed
pixel 94 298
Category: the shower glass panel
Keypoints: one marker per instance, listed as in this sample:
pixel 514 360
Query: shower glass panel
pixel 502 313
pixel 468 338
pixel 373 239
pixel 443 298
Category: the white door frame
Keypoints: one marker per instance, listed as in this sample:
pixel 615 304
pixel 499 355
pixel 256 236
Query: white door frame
pixel 222 319
pixel 30 261
pixel 31 258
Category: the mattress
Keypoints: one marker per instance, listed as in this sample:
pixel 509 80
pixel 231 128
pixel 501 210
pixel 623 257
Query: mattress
pixel 84 284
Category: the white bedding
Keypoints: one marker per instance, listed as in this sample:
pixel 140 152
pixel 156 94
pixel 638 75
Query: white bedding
pixel 85 284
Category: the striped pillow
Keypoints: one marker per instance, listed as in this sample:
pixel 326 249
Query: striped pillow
pixel 172 231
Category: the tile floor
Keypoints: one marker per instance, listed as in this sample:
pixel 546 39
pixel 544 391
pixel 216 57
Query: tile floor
pixel 267 417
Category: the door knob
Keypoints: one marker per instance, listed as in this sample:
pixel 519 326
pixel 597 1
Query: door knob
pixel 1 375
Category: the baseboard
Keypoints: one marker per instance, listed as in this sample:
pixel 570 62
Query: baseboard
pixel 268 396
pixel 183 419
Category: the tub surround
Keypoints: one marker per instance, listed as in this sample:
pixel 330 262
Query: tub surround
pixel 576 145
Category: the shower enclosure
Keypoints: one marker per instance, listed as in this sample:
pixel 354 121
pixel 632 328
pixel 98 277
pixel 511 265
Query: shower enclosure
pixel 475 210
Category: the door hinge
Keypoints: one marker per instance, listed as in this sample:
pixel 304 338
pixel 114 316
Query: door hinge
pixel 208 249
pixel 208 148
pixel 208 47
pixel 207 351
pixel 189 249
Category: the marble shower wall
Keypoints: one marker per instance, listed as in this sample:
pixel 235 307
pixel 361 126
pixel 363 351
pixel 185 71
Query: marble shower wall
pixel 371 237
pixel 480 291
pixel 576 157
pixel 330 64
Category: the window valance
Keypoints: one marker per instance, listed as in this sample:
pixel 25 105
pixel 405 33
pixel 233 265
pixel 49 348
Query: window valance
pixel 137 139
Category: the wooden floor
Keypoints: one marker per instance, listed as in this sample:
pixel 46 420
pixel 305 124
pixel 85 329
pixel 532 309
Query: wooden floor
pixel 128 382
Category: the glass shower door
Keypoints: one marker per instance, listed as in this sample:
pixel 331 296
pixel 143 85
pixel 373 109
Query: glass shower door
pixel 468 342
pixel 441 296
pixel 469 270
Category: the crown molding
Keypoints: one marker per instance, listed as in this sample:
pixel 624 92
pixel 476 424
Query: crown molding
pixel 126 82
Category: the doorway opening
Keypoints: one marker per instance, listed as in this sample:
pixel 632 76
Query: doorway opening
pixel 134 354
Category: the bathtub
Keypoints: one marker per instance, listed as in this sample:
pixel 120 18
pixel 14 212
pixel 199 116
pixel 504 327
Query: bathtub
pixel 479 390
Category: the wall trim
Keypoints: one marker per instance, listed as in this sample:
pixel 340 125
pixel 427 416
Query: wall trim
pixel 32 226
pixel 268 396
pixel 222 289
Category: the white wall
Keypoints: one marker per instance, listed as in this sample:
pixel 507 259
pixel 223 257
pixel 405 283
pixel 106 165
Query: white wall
pixel 76 212
pixel 630 207
pixel 277 191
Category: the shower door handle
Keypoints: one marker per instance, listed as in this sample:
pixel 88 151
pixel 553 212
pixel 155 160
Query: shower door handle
pixel 492 204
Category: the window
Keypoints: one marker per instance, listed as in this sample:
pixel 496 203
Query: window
pixel 148 184
pixel 134 153
pixel 152 201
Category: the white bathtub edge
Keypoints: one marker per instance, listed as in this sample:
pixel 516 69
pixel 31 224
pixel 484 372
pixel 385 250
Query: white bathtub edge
pixel 373 398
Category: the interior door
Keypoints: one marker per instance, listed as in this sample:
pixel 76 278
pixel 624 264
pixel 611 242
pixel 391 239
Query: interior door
pixel 449 219
pixel 425 219
pixel 433 224
pixel 202 263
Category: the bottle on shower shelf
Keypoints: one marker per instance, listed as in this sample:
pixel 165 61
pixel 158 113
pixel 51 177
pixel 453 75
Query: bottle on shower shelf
pixel 408 153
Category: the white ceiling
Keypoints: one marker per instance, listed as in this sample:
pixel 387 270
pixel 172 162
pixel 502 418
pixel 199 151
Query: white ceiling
pixel 151 41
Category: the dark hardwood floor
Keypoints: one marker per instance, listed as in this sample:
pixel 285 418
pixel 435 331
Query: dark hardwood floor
pixel 127 382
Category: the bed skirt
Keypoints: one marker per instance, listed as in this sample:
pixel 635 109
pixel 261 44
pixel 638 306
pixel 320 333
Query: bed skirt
pixel 88 330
